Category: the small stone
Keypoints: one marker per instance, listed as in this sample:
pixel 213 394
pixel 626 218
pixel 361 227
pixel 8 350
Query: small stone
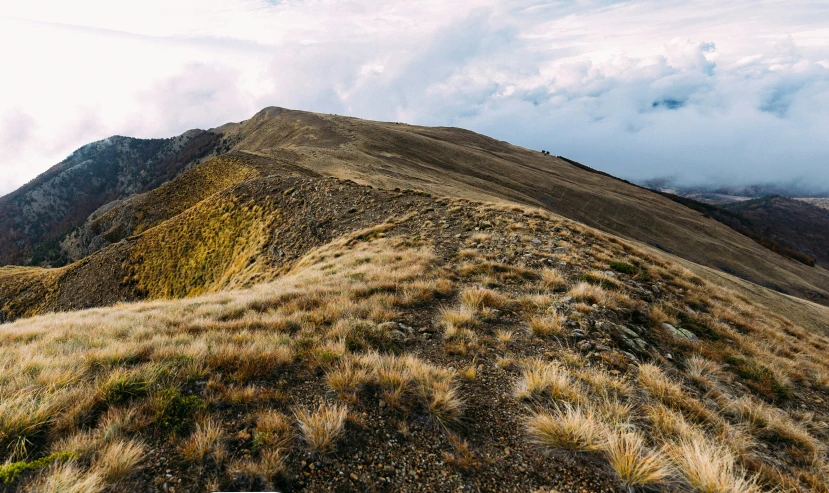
pixel 354 476
pixel 680 333
pixel 388 326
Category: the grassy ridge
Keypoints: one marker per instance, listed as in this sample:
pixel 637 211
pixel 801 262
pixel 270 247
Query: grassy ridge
pixel 381 329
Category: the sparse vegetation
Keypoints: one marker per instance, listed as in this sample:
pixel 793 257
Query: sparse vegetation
pixel 381 342
pixel 322 427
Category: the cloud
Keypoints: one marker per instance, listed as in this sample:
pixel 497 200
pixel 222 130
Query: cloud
pixel 696 90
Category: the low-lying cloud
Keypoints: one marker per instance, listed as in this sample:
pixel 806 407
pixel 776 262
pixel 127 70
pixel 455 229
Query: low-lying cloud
pixel 695 91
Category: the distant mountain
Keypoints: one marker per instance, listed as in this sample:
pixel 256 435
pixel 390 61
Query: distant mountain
pixel 823 203
pixel 724 194
pixel 37 215
pixel 795 224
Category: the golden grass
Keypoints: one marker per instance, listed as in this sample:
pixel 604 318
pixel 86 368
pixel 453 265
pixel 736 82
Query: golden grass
pixel 87 383
pixel 204 442
pixel 322 427
pixel 597 295
pixel 710 468
pixel 633 462
pixel 119 459
pixel 347 379
pixel 553 280
pixel 67 478
pixel 540 380
pixel 547 325
pixel 480 298
pixel 568 429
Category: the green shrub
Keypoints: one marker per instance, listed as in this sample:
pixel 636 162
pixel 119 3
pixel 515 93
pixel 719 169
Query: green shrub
pixel 598 281
pixel 122 387
pixel 624 268
pixel 697 326
pixel 758 378
pixel 175 413
pixel 10 472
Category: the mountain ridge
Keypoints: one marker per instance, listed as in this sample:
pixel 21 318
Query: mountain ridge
pixel 446 161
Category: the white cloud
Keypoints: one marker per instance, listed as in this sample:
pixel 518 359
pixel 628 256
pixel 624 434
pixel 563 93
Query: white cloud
pixel 694 89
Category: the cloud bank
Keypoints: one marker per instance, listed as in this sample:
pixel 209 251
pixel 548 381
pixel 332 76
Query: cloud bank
pixel 698 91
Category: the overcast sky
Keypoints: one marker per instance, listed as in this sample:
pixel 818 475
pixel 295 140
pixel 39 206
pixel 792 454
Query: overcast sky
pixel 700 90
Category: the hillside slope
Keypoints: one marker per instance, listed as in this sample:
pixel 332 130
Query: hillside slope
pixel 792 223
pixel 455 162
pixel 395 341
pixel 42 211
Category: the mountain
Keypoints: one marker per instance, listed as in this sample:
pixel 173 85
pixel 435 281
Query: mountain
pixel 823 203
pixel 34 217
pixel 456 162
pixel 795 224
pixel 325 303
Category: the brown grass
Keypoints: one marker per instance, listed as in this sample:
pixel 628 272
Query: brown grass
pixel 119 459
pixel 710 468
pixel 204 442
pixel 546 325
pixel 634 463
pixel 567 429
pixel 322 427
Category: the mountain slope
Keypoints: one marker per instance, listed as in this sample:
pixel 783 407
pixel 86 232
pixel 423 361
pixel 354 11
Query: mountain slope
pixel 407 342
pixel 455 162
pixel 42 211
pixel 792 223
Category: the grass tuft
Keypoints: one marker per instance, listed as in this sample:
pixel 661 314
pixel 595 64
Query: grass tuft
pixel 322 427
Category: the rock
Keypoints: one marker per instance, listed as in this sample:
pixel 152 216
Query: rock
pixel 397 336
pixel 680 333
pixel 626 331
pixel 585 345
pixel 629 356
pixel 354 476
pixel 536 241
pixel 389 326
pixel 567 299
pixel 561 250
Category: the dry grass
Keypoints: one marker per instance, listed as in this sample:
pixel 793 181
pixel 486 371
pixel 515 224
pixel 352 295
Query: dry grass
pixel 273 431
pixel 204 442
pixel 547 325
pixel 86 383
pixel 480 298
pixel 710 468
pixel 67 478
pixel 553 280
pixel 322 427
pixel 347 379
pixel 459 318
pixel 567 429
pixel 504 336
pixel 634 463
pixel 540 380
pixel 597 295
pixel 119 459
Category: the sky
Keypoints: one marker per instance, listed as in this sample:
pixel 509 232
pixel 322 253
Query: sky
pixel 698 91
